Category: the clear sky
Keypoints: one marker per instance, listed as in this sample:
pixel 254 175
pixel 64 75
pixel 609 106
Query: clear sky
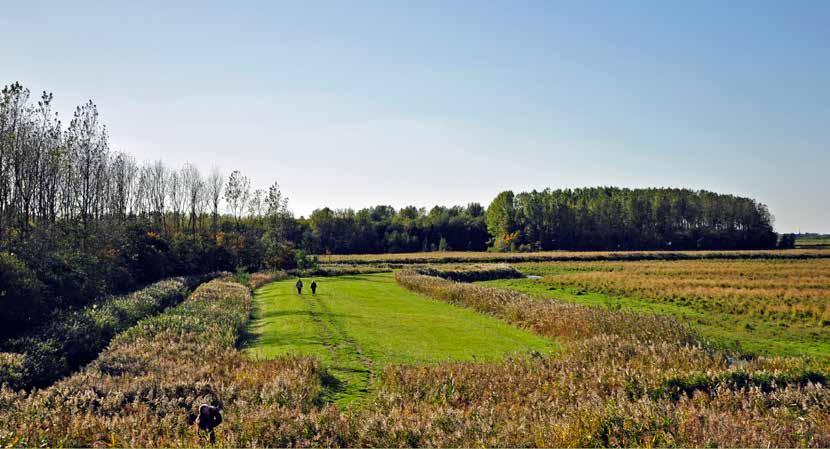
pixel 349 104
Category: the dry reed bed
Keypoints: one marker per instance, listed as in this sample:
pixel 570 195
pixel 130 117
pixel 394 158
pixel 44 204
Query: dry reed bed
pixel 605 391
pixel 470 272
pixel 258 279
pixel 75 337
pixel 564 256
pixel 793 290
pixel 142 390
pixel 624 380
pixel 548 317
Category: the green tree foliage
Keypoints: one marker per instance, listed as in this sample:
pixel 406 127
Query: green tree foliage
pixel 786 241
pixel 382 229
pixel 79 221
pixel 21 295
pixel 610 218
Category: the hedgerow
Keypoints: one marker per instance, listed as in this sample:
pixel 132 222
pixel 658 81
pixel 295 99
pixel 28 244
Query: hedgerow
pixel 73 338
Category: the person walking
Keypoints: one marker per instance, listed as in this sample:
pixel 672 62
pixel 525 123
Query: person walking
pixel 299 286
pixel 313 287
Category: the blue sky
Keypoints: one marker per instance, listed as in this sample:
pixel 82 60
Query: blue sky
pixel 349 104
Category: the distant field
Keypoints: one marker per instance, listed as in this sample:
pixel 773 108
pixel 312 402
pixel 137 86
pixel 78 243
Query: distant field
pixel 358 324
pixel 773 306
pixel 813 243
pixel 564 256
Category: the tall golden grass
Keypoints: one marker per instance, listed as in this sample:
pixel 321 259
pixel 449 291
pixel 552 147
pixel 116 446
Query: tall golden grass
pixel 144 388
pixel 549 317
pixel 622 380
pixel 793 290
pixel 469 272
pixel 625 379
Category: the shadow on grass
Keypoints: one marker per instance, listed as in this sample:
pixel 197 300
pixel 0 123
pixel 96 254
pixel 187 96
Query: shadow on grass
pixel 362 278
pixel 281 313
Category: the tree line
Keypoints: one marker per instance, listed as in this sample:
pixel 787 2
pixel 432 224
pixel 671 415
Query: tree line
pixel 610 218
pixel 50 174
pixel 384 229
pixel 80 220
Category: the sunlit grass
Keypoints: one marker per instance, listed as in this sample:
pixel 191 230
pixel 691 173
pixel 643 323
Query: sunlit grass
pixel 359 324
pixel 774 307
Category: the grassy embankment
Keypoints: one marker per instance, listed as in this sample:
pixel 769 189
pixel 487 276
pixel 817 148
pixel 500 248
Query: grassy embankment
pixel 773 307
pixel 357 325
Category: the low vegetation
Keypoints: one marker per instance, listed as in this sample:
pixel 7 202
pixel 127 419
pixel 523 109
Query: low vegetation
pixel 562 256
pixel 623 379
pixel 549 318
pixel 341 270
pixel 470 272
pixel 812 241
pixel 771 306
pixel 359 324
pixel 146 387
pixel 72 338
pixel 626 379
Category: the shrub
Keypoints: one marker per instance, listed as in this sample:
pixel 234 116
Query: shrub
pixel 21 296
pixel 73 338
pixel 12 366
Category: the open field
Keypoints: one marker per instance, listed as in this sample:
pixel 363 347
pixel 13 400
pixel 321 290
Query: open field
pixel 563 256
pixel 775 306
pixel 813 243
pixel 357 325
pixel 622 379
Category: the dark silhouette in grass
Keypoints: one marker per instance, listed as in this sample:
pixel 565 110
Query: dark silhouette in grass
pixel 209 417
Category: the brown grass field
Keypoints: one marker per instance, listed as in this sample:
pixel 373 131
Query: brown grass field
pixel 623 378
pixel 564 256
pixel 772 306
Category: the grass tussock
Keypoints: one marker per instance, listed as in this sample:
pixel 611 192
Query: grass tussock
pixel 470 272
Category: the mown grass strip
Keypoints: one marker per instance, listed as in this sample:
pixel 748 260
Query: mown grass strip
pixel 358 324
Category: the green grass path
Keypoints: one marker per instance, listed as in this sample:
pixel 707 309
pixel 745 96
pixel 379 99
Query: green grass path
pixel 358 324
